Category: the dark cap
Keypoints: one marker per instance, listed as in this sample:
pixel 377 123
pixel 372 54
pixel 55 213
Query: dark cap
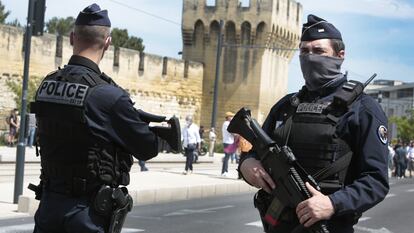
pixel 317 28
pixel 93 16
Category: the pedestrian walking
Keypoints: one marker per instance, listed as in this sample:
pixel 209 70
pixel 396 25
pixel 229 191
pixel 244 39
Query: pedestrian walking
pixel 229 147
pixel 191 143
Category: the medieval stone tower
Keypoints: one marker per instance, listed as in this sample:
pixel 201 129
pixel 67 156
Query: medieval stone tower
pixel 255 55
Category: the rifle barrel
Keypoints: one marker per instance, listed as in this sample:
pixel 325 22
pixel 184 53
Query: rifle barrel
pixel 370 79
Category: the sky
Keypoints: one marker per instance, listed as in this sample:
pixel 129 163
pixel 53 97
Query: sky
pixel 379 34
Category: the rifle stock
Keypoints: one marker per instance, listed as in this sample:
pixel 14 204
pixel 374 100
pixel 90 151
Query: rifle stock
pixel 279 162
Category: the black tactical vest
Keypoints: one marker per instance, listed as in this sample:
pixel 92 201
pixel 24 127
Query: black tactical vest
pixel 311 133
pixel 68 150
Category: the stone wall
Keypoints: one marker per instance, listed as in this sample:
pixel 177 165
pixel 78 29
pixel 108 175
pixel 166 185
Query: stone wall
pixel 157 84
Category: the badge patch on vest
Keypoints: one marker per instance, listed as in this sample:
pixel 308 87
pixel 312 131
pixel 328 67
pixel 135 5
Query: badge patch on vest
pixel 383 134
pixel 310 108
pixel 62 93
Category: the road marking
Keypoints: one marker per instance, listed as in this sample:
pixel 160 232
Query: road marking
pixel 390 195
pixel 366 229
pixel 200 211
pixel 410 190
pixel 255 224
pixel 144 217
pixel 22 228
pixel 131 230
pixel 17 228
pixel 364 219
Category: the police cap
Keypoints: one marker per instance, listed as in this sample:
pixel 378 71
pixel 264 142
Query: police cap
pixel 93 16
pixel 317 28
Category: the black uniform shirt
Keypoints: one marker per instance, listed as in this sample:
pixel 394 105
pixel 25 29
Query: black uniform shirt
pixel 111 117
pixel 366 183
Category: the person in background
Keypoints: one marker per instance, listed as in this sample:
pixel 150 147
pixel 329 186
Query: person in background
pixel 391 154
pixel 141 164
pixel 410 158
pixel 212 137
pixel 400 161
pixel 13 122
pixel 31 129
pixel 228 140
pixel 191 143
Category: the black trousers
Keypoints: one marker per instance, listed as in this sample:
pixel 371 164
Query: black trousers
pixel 189 153
pixel 59 213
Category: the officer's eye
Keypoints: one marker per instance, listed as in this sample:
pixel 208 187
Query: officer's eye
pixel 304 51
pixel 319 51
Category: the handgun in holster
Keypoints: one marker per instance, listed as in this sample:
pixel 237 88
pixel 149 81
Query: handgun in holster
pixel 114 203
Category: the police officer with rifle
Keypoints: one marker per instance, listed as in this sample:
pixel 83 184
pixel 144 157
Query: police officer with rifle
pixel 320 158
pixel 88 130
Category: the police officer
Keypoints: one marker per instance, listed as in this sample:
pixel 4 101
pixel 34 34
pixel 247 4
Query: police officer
pixel 87 131
pixel 344 148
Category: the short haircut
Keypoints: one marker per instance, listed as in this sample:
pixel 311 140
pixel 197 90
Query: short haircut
pixel 92 35
pixel 337 45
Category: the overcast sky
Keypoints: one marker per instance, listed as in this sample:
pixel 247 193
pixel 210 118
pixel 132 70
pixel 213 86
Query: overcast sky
pixel 379 34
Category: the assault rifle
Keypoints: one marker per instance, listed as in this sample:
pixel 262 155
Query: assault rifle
pixel 279 162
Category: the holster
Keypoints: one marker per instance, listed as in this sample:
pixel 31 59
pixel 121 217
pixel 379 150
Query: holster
pixel 124 204
pixel 114 203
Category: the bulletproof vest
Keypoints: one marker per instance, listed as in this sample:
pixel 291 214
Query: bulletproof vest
pixel 311 132
pixel 68 149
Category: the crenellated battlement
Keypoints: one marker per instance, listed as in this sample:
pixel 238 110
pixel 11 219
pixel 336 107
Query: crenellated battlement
pixel 269 23
pixel 259 41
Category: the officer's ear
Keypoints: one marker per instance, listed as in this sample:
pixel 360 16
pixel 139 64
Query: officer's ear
pixel 72 34
pixel 341 54
pixel 108 42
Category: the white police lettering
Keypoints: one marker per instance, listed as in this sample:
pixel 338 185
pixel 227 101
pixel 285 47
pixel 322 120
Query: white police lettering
pixel 62 93
pixel 310 108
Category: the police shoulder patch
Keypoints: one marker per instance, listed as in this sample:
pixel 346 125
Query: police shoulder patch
pixel 383 134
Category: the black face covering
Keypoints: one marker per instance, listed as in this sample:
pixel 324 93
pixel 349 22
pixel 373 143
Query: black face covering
pixel 319 71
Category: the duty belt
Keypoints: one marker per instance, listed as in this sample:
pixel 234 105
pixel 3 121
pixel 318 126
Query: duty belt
pixel 76 188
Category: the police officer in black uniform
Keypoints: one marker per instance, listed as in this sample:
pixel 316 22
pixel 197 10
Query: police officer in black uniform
pixel 87 131
pixel 344 149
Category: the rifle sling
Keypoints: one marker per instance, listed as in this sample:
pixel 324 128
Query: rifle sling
pixel 334 167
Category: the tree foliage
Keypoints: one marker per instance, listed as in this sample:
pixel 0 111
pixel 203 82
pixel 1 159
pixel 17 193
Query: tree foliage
pixel 120 38
pixel 15 86
pixel 15 23
pixel 405 126
pixel 3 13
pixel 60 26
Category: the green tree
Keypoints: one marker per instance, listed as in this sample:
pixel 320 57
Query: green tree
pixel 120 38
pixel 135 43
pixel 405 126
pixel 60 26
pixel 3 13
pixel 15 23
pixel 15 86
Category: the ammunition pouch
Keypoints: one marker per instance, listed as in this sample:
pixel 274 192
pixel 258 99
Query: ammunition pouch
pixel 114 203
